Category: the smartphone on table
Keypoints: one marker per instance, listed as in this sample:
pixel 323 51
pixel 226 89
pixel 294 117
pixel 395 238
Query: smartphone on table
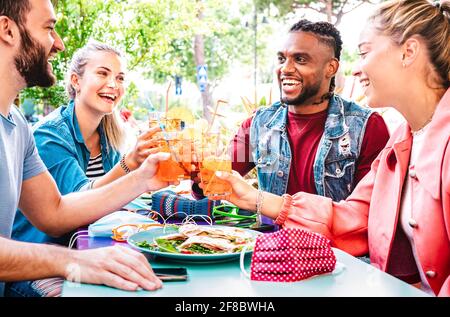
pixel 171 273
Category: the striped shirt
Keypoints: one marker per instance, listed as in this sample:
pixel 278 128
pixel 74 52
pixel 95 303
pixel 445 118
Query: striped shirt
pixel 95 168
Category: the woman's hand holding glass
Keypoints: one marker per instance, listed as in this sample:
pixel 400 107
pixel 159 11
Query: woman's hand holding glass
pixel 146 145
pixel 243 194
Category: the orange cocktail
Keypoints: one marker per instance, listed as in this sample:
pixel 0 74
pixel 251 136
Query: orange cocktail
pixel 178 166
pixel 212 185
pixel 170 125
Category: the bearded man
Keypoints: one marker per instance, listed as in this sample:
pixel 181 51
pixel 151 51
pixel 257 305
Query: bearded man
pixel 28 42
pixel 311 140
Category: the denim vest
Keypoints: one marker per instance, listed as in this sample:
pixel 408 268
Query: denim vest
pixel 61 146
pixel 336 156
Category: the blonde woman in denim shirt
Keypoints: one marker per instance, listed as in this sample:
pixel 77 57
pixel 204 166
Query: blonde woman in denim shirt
pixel 86 130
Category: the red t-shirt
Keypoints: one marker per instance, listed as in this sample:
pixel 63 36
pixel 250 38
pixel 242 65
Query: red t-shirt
pixel 304 133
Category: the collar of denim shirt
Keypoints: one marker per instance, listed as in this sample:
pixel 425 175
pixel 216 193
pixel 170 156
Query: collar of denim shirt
pixel 69 113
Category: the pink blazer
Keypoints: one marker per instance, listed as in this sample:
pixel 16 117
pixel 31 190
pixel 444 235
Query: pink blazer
pixel 367 221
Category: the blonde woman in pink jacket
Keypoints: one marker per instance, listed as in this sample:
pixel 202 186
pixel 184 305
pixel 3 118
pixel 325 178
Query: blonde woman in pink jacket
pixel 400 212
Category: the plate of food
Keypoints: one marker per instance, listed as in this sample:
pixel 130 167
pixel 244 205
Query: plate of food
pixel 195 243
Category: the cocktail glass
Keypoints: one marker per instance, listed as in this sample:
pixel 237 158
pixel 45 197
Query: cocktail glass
pixel 215 157
pixel 178 166
pixel 156 119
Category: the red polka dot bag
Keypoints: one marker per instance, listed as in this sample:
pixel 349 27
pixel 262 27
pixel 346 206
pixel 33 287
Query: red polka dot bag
pixel 291 255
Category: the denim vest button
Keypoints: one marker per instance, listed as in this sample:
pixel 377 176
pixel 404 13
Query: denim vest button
pixel 280 173
pixel 412 223
pixel 338 171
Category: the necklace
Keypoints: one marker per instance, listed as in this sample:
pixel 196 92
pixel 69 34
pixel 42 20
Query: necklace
pixel 422 128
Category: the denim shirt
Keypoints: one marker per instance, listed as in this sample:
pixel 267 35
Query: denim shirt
pixel 337 153
pixel 62 148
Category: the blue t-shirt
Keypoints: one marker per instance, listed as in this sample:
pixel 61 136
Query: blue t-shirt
pixel 64 152
pixel 19 161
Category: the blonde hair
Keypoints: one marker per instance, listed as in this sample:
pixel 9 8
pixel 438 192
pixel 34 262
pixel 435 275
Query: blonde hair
pixel 401 19
pixel 111 123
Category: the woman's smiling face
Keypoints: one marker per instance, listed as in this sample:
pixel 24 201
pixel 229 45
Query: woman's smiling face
pixel 102 85
pixel 379 67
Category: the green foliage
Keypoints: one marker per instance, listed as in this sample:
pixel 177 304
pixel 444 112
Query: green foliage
pixel 338 7
pixel 283 6
pixel 150 27
pixel 76 24
pixel 349 58
pixel 156 35
pixel 263 102
pixel 225 38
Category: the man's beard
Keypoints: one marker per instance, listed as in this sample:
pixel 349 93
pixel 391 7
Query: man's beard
pixel 32 62
pixel 306 93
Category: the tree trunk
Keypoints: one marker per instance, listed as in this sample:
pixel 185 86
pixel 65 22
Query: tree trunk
pixel 329 10
pixel 338 19
pixel 199 56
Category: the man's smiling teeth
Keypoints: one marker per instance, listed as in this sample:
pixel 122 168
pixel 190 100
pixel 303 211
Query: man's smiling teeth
pixel 290 82
pixel 110 96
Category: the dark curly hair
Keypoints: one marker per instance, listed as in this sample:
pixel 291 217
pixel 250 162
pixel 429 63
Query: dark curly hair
pixel 326 33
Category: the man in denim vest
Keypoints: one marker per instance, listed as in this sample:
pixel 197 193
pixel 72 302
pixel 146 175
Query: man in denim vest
pixel 312 140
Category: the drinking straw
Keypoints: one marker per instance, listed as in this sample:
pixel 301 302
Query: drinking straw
pixel 353 87
pixel 167 99
pixel 152 107
pixel 214 113
pixel 270 96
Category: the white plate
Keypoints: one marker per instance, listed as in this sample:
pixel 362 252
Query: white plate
pixel 151 235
